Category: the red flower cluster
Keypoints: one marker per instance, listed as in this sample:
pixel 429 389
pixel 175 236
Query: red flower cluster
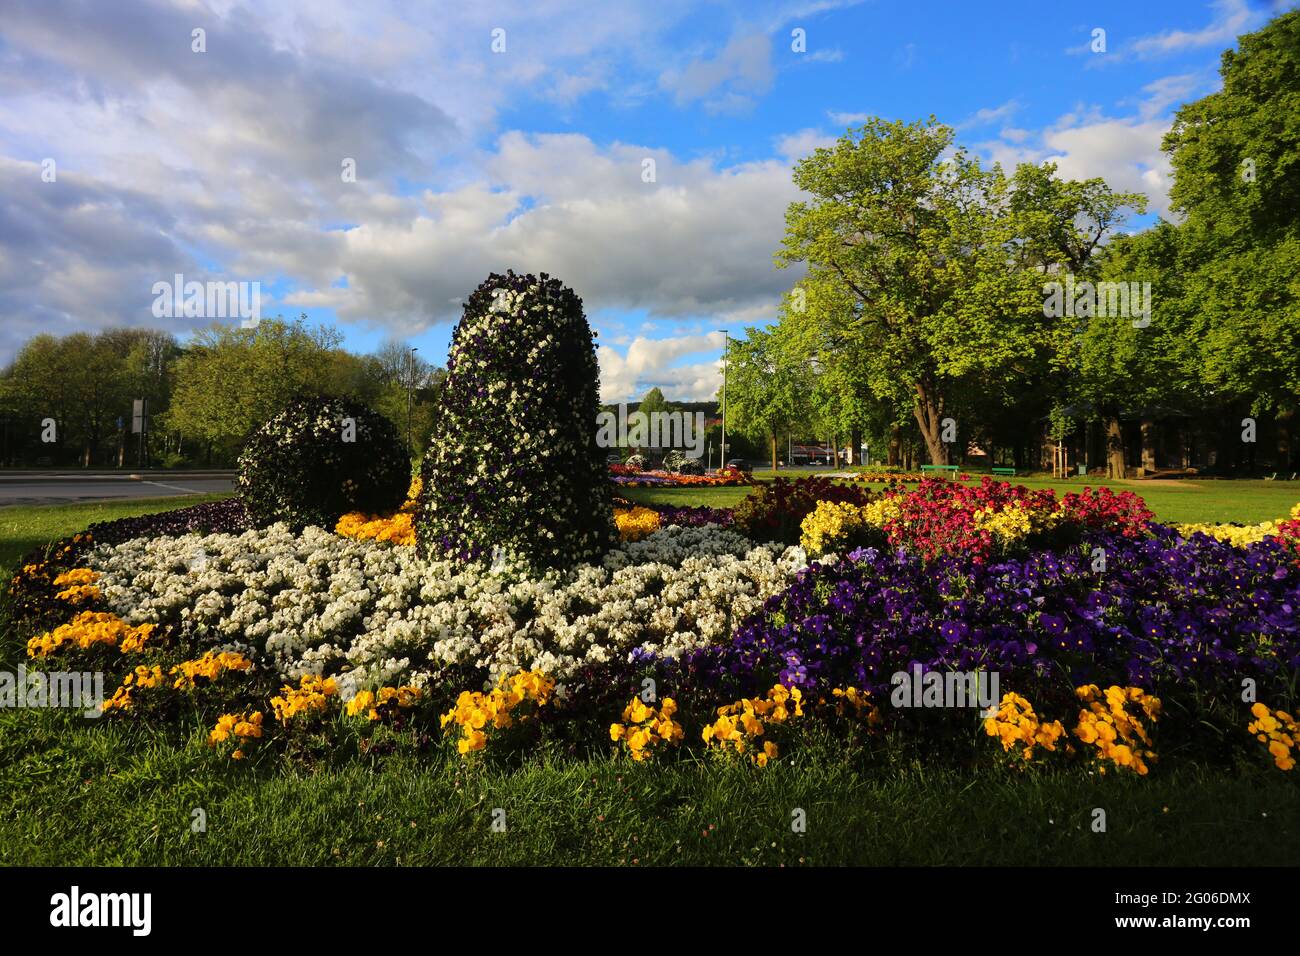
pixel 940 517
pixel 1100 508
pixel 902 477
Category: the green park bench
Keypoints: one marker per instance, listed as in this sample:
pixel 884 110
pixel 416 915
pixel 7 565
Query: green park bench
pixel 952 468
pixel 1006 472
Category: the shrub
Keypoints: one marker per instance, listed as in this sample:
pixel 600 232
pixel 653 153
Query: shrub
pixel 514 462
pixel 320 458
pixel 775 511
pixel 676 461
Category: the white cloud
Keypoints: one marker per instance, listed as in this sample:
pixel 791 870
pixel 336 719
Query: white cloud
pixel 172 161
pixel 1167 91
pixel 848 119
pixel 795 146
pixel 697 241
pixel 650 362
pixel 1231 18
pixel 1125 152
pixel 989 115
pixel 729 81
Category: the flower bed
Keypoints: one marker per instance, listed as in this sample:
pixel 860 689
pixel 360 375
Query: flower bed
pixel 304 603
pixel 280 630
pixel 900 477
pixel 1287 530
pixel 775 511
pixel 1190 619
pixel 992 518
pixel 627 477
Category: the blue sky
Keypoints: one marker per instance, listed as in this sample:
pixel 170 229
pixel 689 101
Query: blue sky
pixel 224 163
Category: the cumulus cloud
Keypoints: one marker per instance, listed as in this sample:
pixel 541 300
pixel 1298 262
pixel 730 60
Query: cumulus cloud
pixel 1123 150
pixel 729 81
pixel 230 160
pixel 651 362
pixel 1231 18
pixel 795 146
pixel 698 240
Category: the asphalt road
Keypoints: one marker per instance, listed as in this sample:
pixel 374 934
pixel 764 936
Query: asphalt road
pixel 37 492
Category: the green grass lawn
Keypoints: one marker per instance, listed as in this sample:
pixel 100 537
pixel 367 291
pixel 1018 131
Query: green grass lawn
pixel 23 528
pixel 76 791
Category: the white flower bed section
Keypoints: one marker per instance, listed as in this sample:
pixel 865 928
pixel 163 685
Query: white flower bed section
pixel 317 602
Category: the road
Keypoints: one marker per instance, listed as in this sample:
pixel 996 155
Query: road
pixel 38 492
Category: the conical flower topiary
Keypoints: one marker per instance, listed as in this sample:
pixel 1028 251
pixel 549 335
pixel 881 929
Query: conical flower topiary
pixel 513 471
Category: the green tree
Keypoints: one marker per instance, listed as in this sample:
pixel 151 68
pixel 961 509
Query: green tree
pixel 230 380
pixel 767 394
pixel 929 268
pixel 908 245
pixel 1236 160
pixel 653 401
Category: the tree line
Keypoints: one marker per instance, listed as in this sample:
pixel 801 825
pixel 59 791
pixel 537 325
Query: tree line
pixel 947 304
pixel 68 400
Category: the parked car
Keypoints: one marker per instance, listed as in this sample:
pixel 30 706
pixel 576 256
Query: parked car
pixel 614 459
pixel 740 464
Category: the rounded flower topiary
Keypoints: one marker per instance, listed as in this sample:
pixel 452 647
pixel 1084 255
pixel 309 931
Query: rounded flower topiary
pixel 320 458
pixel 513 470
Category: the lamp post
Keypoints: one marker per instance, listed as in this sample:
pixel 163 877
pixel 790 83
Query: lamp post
pixel 410 378
pixel 726 343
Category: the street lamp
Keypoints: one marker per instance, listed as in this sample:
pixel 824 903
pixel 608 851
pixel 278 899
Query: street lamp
pixel 410 379
pixel 726 343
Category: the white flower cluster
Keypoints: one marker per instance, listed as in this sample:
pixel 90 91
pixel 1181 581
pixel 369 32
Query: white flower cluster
pixel 319 603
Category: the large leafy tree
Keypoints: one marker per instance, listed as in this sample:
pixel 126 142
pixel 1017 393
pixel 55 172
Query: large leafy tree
pixel 932 266
pixel 1236 160
pixel 230 380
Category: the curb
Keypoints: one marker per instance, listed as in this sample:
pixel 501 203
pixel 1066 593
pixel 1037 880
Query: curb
pixel 117 476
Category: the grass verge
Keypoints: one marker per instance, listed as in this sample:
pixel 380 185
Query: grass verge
pixel 77 793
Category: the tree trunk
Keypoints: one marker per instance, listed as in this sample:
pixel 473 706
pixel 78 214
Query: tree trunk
pixel 929 416
pixel 1285 450
pixel 1149 463
pixel 895 445
pixel 774 451
pixel 1114 446
pixel 855 446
